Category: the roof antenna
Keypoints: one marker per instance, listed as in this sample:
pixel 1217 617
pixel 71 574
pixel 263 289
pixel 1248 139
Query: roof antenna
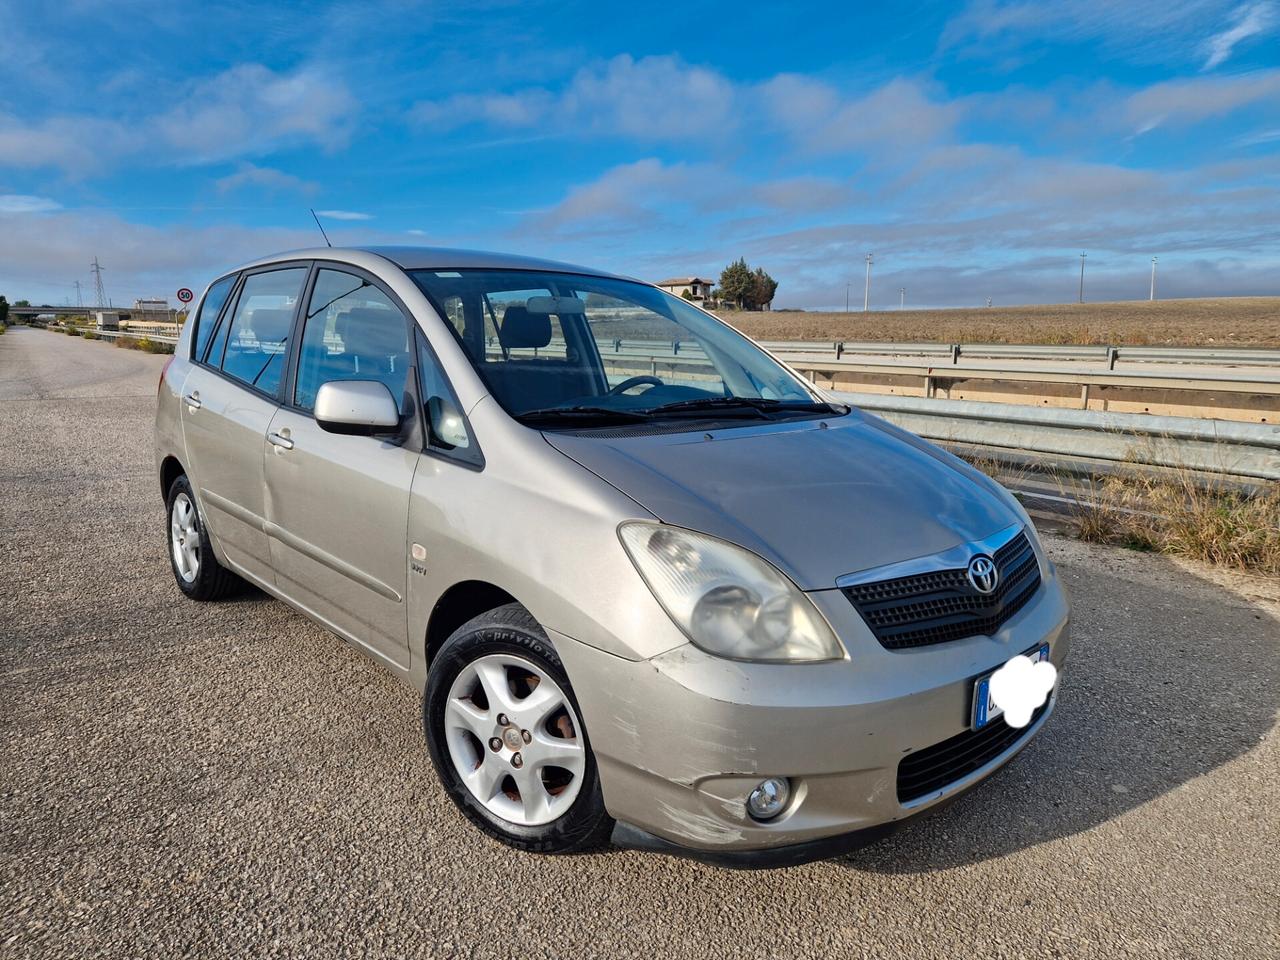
pixel 318 224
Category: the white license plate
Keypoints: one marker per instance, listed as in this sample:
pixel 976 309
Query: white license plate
pixel 984 708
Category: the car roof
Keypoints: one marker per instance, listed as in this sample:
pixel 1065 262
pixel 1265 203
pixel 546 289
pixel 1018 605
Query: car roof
pixel 437 258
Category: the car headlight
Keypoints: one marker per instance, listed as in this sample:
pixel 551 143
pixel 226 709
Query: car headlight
pixel 727 600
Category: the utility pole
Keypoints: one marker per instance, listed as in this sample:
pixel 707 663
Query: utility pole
pixel 1082 256
pixel 846 296
pixel 79 299
pixel 1153 277
pixel 99 292
pixel 866 293
pixel 902 298
pixel 988 302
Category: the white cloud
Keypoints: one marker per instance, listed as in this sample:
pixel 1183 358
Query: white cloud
pixel 20 203
pixel 1250 20
pixel 251 175
pixel 248 110
pixel 1012 31
pixel 251 109
pixel 899 113
pixel 651 99
pixel 344 215
pixel 1190 101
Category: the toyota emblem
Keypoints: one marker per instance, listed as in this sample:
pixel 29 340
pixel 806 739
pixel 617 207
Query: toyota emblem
pixel 983 575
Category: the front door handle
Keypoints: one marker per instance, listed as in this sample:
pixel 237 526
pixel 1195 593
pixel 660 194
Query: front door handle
pixel 192 400
pixel 280 441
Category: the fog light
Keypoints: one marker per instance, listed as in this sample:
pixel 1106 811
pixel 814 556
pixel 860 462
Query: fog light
pixel 769 798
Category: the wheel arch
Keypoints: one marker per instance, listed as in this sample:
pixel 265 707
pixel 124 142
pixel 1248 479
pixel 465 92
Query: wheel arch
pixel 458 604
pixel 170 470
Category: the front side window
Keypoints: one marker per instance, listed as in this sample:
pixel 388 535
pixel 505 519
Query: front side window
pixel 258 335
pixel 558 349
pixel 353 331
pixel 207 318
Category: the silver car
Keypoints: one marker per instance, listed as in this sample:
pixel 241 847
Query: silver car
pixel 654 586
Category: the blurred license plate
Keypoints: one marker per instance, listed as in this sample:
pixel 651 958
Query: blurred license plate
pixel 984 708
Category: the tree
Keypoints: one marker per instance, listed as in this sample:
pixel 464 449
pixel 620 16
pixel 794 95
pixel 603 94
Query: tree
pixel 4 310
pixel 687 294
pixel 748 289
pixel 737 284
pixel 763 288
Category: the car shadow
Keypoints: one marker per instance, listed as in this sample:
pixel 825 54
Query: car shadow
pixel 1162 686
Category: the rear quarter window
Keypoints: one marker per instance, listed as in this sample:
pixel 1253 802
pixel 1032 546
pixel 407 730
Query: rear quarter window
pixel 207 317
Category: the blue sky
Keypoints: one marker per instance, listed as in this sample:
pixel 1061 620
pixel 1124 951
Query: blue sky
pixel 975 148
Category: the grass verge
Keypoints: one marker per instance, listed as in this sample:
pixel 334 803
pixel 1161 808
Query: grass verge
pixel 1179 513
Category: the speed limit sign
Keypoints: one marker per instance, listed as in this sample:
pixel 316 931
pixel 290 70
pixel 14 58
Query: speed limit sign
pixel 185 295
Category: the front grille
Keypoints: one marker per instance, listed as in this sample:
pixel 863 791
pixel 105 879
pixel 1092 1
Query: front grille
pixel 936 767
pixel 935 607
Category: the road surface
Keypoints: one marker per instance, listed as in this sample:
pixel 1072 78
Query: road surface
pixel 229 780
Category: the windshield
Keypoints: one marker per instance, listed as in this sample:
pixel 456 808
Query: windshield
pixel 564 350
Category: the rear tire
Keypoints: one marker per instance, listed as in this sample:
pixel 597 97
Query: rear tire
pixel 532 781
pixel 195 567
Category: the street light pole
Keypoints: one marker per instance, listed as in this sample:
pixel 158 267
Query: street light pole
pixel 902 298
pixel 866 293
pixel 1082 256
pixel 1153 277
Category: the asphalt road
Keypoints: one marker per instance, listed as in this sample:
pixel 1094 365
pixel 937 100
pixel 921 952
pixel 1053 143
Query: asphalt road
pixel 230 780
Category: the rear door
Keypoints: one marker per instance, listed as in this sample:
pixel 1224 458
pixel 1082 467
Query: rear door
pixel 338 504
pixel 229 398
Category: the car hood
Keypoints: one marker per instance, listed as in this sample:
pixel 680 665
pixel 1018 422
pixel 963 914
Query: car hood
pixel 816 501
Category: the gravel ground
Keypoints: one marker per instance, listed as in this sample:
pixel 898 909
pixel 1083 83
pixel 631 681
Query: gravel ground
pixel 230 780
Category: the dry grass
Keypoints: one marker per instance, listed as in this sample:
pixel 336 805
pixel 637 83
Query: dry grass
pixel 1237 321
pixel 1178 512
pixel 1184 518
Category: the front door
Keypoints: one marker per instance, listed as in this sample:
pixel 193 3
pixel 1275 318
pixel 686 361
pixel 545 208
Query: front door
pixel 229 398
pixel 338 505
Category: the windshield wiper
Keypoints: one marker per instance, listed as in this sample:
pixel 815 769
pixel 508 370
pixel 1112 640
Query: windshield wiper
pixel 759 405
pixel 584 413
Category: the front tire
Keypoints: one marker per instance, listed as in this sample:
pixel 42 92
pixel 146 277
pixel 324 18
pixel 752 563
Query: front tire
pixel 199 574
pixel 507 740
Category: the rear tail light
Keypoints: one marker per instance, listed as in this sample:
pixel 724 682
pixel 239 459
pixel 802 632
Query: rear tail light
pixel 163 371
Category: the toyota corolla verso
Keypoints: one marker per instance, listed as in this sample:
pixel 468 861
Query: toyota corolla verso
pixel 654 586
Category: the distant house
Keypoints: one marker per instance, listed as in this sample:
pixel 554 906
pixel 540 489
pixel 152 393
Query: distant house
pixel 697 288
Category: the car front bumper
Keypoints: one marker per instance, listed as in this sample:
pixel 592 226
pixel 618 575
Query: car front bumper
pixel 682 739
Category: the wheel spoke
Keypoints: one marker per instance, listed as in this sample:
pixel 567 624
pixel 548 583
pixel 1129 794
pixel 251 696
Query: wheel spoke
pixel 548 751
pixel 534 709
pixel 533 795
pixel 486 779
pixel 467 716
pixel 493 678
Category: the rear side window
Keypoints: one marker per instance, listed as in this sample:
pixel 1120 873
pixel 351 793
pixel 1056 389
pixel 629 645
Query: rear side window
pixel 207 318
pixel 258 335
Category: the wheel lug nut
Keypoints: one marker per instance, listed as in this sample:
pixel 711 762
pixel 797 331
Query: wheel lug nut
pixel 526 735
pixel 517 761
pixel 495 744
pixel 502 719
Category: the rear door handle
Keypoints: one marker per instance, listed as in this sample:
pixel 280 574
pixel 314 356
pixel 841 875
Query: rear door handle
pixel 280 441
pixel 192 400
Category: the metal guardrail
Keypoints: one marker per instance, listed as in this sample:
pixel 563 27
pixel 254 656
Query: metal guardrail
pixel 933 376
pixel 1110 355
pixel 1220 447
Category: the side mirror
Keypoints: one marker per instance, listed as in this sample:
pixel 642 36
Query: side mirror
pixel 362 407
pixel 447 424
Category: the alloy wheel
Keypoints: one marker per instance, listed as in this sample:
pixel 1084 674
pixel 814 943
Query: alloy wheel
pixel 184 538
pixel 514 739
